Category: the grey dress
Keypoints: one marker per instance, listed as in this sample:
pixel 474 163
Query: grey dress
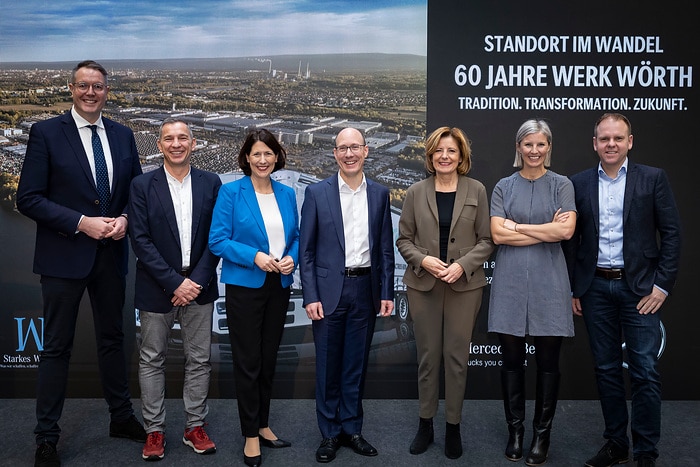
pixel 530 292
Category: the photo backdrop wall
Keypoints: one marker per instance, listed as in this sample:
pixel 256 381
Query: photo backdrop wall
pixel 490 66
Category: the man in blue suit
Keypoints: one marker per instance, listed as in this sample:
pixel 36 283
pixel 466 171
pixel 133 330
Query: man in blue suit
pixel 623 260
pixel 170 214
pixel 75 185
pixel 346 260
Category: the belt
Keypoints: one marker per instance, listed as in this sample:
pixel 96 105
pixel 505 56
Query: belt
pixel 610 274
pixel 355 272
pixel 185 272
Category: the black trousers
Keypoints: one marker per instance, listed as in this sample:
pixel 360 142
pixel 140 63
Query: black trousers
pixel 256 319
pixel 105 286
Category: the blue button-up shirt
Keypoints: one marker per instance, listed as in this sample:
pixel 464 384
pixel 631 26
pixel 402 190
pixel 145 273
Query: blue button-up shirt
pixel 611 198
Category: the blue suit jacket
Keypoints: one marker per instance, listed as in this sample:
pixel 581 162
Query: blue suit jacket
pixel 57 187
pixel 322 244
pixel 238 232
pixel 155 239
pixel 649 211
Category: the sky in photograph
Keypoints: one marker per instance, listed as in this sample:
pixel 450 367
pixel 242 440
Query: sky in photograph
pixel 59 30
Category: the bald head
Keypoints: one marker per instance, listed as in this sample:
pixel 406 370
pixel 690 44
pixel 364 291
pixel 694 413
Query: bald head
pixel 350 133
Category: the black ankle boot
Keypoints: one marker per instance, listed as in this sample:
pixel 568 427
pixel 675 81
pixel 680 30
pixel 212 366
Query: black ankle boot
pixel 545 406
pixel 513 388
pixel 424 437
pixel 453 441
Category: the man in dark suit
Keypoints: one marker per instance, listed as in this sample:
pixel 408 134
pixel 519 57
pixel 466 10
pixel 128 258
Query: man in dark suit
pixel 346 260
pixel 623 260
pixel 75 185
pixel 170 213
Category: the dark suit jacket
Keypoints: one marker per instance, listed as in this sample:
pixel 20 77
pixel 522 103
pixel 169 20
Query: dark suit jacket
pixel 470 234
pixel 322 244
pixel 57 187
pixel 155 239
pixel 651 231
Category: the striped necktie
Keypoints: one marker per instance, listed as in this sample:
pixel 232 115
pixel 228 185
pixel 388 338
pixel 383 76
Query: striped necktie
pixel 101 175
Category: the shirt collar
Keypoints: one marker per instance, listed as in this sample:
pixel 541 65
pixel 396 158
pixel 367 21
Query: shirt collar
pixel 81 122
pixel 344 186
pixel 621 171
pixel 170 178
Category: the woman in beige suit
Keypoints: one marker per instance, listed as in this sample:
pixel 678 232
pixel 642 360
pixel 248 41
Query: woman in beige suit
pixel 444 237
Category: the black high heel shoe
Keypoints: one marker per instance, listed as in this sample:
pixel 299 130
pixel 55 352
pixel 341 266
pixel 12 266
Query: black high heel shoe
pixel 254 461
pixel 274 443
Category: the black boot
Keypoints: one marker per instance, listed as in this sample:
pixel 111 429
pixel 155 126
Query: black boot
pixel 453 441
pixel 513 387
pixel 424 437
pixel 545 405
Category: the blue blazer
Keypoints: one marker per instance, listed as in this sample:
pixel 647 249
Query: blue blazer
pixel 238 232
pixel 57 187
pixel 649 210
pixel 155 239
pixel 322 244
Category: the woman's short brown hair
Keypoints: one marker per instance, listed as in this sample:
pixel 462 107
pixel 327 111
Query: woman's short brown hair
pixel 266 137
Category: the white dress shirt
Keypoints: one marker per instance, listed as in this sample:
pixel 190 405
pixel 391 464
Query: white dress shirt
pixel 181 194
pixel 355 211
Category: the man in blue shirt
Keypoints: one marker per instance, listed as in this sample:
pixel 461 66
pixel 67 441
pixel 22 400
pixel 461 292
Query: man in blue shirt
pixel 623 261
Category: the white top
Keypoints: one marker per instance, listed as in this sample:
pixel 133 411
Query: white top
pixel 274 228
pixel 181 194
pixel 355 223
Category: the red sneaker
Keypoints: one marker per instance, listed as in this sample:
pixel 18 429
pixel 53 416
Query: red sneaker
pixel 154 449
pixel 197 439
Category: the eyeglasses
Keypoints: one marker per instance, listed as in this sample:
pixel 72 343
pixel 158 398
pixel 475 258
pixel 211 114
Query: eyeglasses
pixel 355 148
pixel 96 87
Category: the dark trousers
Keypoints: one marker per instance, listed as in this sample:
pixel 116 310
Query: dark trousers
pixel 256 319
pixel 611 316
pixel 105 286
pixel 342 340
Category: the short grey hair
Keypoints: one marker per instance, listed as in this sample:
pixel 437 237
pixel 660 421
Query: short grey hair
pixel 170 121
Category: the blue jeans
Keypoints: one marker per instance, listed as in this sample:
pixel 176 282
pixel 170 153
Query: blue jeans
pixel 611 316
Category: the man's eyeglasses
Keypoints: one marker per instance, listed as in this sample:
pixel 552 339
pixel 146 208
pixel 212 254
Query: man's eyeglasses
pixel 96 87
pixel 355 148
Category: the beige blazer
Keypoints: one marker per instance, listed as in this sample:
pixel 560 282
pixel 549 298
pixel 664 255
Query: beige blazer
pixel 470 234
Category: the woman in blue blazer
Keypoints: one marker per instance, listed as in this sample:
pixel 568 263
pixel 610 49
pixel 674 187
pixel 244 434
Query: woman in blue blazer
pixel 255 230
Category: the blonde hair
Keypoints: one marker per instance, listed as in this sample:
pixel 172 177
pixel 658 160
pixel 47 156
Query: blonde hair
pixel 465 150
pixel 530 127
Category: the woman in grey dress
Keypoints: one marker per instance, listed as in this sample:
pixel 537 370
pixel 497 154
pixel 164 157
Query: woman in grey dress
pixel 532 211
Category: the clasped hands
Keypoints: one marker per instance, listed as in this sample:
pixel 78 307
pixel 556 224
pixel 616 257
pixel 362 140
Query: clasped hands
pixel 186 292
pixel 100 228
pixel 439 269
pixel 270 264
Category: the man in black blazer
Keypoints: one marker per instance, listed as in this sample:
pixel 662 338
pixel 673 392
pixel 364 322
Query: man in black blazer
pixel 170 214
pixel 346 260
pixel 623 260
pixel 75 184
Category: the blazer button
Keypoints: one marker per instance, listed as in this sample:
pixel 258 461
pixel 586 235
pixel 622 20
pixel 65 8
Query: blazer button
pixel 452 240
pixel 452 260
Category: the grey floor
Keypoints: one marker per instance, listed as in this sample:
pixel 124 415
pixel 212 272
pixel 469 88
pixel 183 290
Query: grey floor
pixel 389 426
